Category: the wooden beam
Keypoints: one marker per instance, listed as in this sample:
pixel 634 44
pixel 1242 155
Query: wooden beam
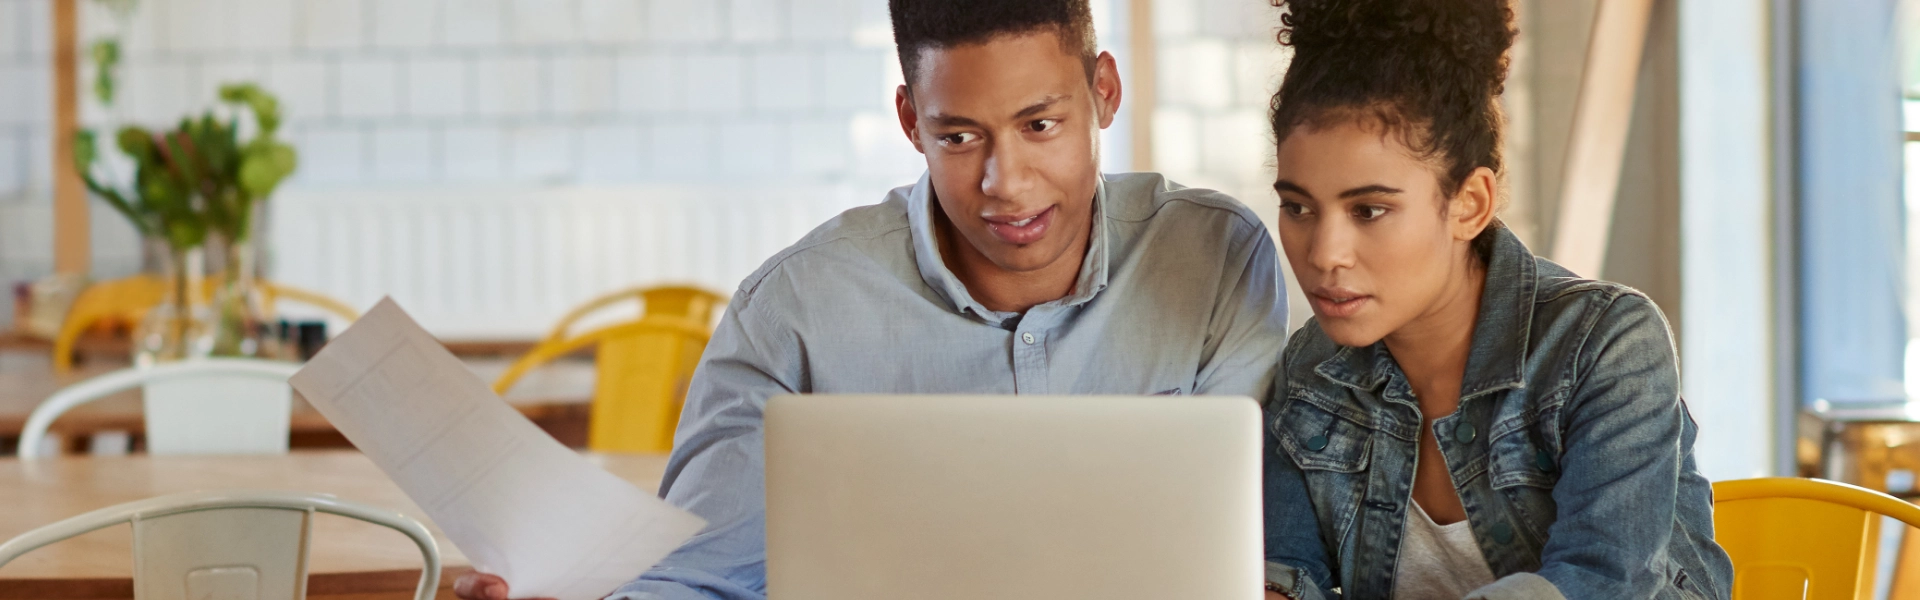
pixel 1140 90
pixel 1598 143
pixel 72 229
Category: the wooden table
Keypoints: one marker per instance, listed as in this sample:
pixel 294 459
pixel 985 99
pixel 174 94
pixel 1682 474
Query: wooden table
pixel 555 397
pixel 348 559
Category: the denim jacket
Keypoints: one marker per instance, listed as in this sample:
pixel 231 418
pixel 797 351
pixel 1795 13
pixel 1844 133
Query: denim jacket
pixel 1572 451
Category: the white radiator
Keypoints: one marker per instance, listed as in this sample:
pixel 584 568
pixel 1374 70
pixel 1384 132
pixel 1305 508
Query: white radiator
pixel 507 262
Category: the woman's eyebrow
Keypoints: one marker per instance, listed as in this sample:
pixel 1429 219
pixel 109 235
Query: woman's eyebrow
pixel 1370 190
pixel 1284 186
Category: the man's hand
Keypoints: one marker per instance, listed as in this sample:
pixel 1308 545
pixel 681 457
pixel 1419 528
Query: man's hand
pixel 1271 595
pixel 474 585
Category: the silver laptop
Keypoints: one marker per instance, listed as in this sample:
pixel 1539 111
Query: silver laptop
pixel 1013 497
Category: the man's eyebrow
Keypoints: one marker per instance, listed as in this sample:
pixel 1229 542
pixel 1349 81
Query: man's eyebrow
pixel 1370 190
pixel 1038 107
pixel 952 121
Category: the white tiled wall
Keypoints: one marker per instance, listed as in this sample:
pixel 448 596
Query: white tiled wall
pixel 1218 66
pixel 432 97
pixel 26 166
pixel 528 91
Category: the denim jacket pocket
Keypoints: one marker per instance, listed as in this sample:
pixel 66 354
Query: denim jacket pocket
pixel 1318 440
pixel 1524 471
pixel 1332 453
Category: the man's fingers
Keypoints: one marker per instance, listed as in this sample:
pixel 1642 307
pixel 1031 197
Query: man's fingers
pixel 474 585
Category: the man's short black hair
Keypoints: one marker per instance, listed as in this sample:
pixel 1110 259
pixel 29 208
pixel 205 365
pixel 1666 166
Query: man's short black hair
pixel 919 25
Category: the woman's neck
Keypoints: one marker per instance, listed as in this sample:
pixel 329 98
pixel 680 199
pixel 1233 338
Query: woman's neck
pixel 1432 350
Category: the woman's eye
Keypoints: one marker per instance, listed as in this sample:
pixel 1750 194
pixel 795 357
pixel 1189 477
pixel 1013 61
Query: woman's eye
pixel 955 139
pixel 1368 213
pixel 1043 125
pixel 1294 209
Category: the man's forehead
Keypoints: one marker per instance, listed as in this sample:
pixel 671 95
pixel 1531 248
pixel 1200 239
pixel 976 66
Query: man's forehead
pixel 998 78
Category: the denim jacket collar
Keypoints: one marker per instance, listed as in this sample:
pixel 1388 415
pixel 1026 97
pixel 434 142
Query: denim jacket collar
pixel 1497 360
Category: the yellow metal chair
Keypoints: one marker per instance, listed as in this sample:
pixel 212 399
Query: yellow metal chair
pixel 641 367
pixel 127 301
pixel 1802 538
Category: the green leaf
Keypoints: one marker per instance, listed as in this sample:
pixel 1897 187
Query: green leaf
pixel 138 144
pixel 264 165
pixel 105 53
pixel 85 149
pixel 266 108
pixel 106 56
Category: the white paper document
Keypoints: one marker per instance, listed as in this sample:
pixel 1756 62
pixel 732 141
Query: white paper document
pixel 516 502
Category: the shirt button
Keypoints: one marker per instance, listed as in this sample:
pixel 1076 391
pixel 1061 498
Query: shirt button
pixel 1027 337
pixel 1543 460
pixel 1503 533
pixel 1463 433
pixel 1317 443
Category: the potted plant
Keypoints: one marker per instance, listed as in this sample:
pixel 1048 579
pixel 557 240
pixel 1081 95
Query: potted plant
pixel 198 181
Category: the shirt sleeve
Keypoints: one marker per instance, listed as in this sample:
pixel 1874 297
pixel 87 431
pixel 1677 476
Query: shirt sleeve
pixel 717 469
pixel 1620 471
pixel 1249 324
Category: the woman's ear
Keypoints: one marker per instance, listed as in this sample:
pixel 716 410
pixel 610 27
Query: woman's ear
pixel 1473 208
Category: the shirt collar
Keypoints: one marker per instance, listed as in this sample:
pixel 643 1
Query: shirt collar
pixel 926 251
pixel 1497 360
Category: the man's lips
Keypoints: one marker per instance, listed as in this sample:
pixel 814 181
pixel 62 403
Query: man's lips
pixel 1337 303
pixel 1021 230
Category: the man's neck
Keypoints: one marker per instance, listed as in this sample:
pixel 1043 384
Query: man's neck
pixel 1001 290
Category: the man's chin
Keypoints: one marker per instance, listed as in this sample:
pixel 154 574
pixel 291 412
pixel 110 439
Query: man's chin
pixel 1024 259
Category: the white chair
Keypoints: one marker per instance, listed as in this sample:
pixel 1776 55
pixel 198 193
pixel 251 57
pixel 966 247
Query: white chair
pixel 227 545
pixel 204 406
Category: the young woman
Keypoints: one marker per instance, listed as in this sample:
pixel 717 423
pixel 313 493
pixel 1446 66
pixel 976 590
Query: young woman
pixel 1461 419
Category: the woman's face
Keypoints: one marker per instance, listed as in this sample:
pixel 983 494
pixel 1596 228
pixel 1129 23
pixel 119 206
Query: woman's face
pixel 1373 242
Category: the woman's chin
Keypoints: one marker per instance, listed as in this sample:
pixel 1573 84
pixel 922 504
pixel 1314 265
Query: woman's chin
pixel 1352 333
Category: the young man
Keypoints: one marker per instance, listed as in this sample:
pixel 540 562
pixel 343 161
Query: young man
pixel 1012 267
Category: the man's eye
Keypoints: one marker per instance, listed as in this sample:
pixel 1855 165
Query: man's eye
pixel 1368 213
pixel 955 139
pixel 1041 125
pixel 1294 209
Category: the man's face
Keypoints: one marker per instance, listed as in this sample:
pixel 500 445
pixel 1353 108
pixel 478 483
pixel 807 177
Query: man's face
pixel 1010 129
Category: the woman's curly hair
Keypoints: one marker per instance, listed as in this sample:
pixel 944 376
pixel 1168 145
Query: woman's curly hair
pixel 1430 71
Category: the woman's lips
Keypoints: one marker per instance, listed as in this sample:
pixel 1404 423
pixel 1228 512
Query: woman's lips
pixel 1023 231
pixel 1337 306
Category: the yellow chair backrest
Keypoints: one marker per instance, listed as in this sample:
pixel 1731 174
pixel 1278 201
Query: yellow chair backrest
pixel 642 367
pixel 128 300
pixel 1802 538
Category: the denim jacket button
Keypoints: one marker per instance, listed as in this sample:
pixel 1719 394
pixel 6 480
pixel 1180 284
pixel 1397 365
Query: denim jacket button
pixel 1463 433
pixel 1317 443
pixel 1503 533
pixel 1543 460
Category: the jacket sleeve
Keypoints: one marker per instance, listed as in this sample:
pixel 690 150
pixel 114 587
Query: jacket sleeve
pixel 1624 423
pixel 717 469
pixel 1298 560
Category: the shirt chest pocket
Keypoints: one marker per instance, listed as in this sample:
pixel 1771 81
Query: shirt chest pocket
pixel 1332 453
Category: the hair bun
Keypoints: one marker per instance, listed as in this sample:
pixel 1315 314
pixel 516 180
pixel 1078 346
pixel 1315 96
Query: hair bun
pixel 1472 35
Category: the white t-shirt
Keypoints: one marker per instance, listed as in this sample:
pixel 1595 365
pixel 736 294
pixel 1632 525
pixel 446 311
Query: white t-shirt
pixel 1438 562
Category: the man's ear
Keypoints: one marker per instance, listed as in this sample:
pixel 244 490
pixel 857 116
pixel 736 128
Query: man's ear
pixel 909 116
pixel 1473 208
pixel 1106 88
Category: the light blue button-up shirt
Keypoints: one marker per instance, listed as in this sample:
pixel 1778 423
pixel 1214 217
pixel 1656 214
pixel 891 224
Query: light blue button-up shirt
pixel 1180 293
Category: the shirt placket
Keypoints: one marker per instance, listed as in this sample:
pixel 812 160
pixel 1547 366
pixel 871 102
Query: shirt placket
pixel 1030 353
